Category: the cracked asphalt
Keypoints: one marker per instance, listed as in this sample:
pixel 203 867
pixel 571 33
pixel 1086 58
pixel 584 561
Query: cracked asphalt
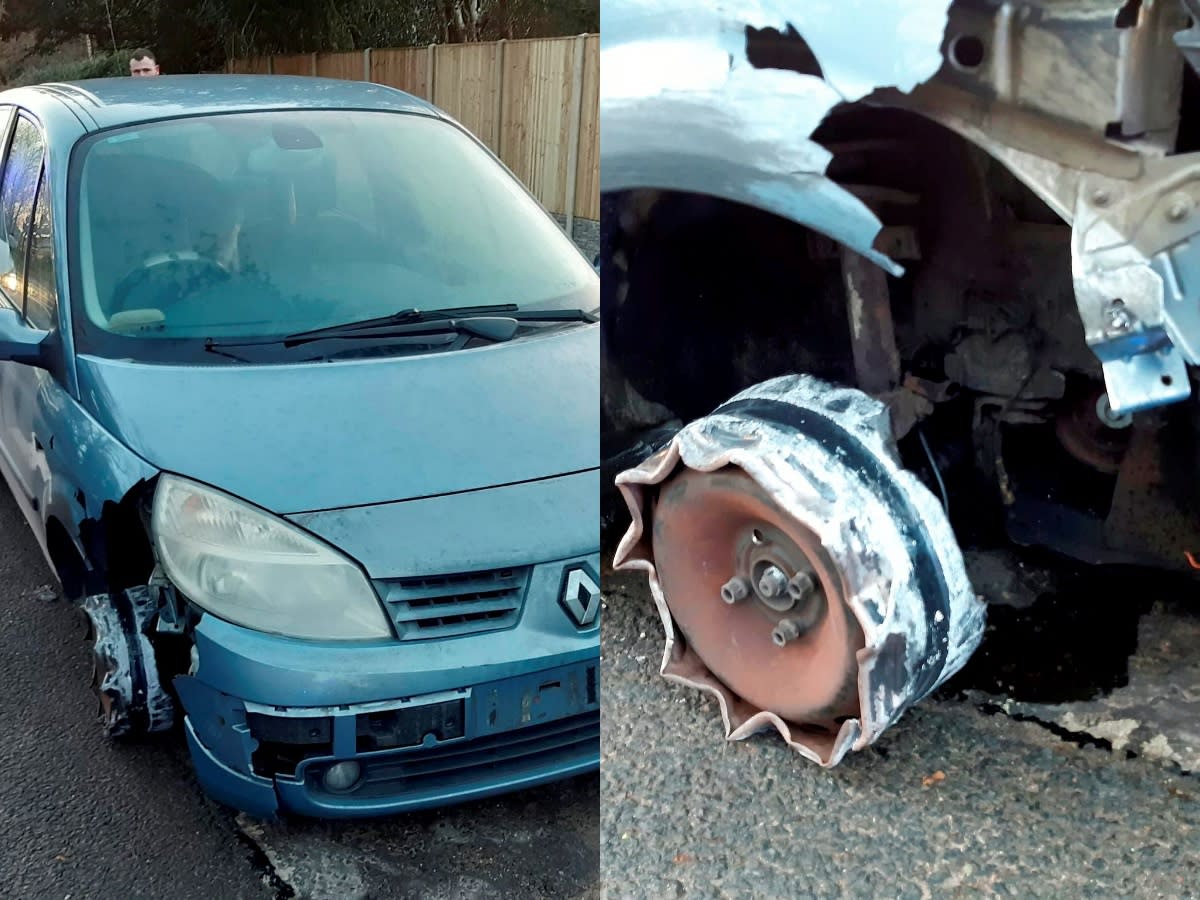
pixel 953 802
pixel 82 817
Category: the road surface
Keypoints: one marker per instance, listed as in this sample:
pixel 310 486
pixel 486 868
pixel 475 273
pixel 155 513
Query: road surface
pixel 961 799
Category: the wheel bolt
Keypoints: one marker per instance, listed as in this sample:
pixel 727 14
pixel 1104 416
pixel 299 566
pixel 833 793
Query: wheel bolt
pixel 772 582
pixel 735 589
pixel 787 630
pixel 800 586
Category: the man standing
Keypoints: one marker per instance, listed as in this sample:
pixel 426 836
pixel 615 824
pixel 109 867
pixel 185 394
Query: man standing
pixel 142 63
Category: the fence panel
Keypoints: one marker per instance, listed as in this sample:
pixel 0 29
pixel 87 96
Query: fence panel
pixel 587 178
pixel 466 85
pixel 296 64
pixel 406 69
pixel 255 65
pixel 347 65
pixel 518 97
pixel 536 112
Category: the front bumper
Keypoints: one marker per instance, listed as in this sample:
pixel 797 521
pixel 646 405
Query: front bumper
pixel 429 722
pixel 562 739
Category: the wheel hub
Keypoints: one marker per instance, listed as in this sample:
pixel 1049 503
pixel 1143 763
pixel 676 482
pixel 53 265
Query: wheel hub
pixel 786 643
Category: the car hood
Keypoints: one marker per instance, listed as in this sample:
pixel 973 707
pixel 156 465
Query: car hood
pixel 294 438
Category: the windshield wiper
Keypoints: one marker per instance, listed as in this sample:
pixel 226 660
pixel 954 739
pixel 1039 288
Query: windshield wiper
pixel 210 346
pixel 555 315
pixel 416 326
pixel 405 316
pixel 471 319
pixel 492 328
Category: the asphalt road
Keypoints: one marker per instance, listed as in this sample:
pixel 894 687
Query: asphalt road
pixel 1026 808
pixel 81 817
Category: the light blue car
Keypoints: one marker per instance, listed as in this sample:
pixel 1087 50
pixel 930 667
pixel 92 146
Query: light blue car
pixel 298 393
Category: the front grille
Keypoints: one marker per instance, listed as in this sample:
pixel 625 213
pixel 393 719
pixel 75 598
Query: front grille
pixel 439 606
pixel 488 759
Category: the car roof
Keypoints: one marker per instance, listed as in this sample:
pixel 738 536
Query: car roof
pixel 110 102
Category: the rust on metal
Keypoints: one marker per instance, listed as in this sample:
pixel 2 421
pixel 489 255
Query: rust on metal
pixel 872 334
pixel 711 525
pixel 1087 438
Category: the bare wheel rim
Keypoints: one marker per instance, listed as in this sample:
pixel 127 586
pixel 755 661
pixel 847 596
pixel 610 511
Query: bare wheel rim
pixel 712 529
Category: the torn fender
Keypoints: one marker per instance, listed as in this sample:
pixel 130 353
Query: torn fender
pixel 683 108
pixel 82 466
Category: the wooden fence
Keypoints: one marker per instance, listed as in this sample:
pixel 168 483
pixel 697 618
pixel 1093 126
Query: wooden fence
pixel 535 103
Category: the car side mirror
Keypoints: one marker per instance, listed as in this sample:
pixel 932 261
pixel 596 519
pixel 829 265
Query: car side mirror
pixel 18 342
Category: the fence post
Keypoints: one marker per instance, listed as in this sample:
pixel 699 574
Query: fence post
pixel 271 64
pixel 499 96
pixel 432 70
pixel 367 64
pixel 314 63
pixel 573 145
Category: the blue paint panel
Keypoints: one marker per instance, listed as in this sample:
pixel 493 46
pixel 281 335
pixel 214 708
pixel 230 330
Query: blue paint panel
pixel 219 721
pixel 295 438
pixel 297 797
pixel 517 525
pixel 520 732
pixel 82 455
pixel 280 671
pixel 249 793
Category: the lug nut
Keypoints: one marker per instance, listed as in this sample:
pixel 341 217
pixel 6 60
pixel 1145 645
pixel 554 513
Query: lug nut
pixel 787 630
pixel 800 586
pixel 735 589
pixel 772 582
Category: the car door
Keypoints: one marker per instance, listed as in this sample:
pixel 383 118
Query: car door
pixel 27 284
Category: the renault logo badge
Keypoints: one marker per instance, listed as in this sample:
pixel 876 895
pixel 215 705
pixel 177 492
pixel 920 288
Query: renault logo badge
pixel 580 597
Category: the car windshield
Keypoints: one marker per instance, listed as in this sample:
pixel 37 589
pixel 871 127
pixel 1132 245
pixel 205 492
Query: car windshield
pixel 248 227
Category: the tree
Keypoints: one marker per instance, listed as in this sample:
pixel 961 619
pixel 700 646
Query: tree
pixel 191 35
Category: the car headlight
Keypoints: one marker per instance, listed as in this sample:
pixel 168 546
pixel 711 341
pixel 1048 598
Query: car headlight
pixel 257 570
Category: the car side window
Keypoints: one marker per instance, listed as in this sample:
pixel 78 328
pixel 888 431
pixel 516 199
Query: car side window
pixel 41 289
pixel 18 190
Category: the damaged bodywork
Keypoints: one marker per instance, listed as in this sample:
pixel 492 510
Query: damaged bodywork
pixel 684 109
pixel 981 215
pixel 325 541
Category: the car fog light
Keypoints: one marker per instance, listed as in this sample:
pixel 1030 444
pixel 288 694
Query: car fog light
pixel 342 776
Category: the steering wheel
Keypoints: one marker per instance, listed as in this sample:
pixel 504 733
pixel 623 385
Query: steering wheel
pixel 174 268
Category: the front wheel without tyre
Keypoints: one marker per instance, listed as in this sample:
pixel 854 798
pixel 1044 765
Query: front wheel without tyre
pixel 804 578
pixel 132 699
